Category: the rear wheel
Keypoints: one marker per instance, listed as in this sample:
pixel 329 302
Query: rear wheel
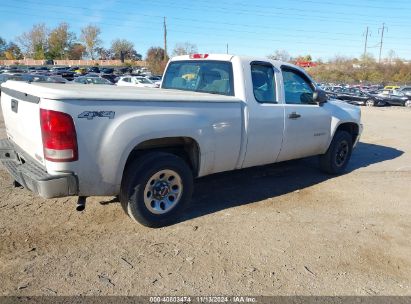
pixel 335 160
pixel 370 103
pixel 156 188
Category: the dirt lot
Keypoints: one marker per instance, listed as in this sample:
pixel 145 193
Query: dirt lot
pixel 278 230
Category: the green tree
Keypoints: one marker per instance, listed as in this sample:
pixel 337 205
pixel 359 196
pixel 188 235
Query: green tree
pixel 185 48
pixel 13 52
pixel 156 60
pixel 76 51
pixel 303 58
pixel 104 54
pixel 34 42
pixel 90 36
pixel 123 49
pixel 3 45
pixel 281 55
pixel 60 40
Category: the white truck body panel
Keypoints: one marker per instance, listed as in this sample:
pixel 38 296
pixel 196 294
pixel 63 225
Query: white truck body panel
pixel 231 132
pixel 24 128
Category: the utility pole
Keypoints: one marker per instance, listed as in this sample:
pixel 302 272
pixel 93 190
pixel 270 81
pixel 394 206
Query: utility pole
pixel 165 39
pixel 382 37
pixel 366 40
pixel 227 48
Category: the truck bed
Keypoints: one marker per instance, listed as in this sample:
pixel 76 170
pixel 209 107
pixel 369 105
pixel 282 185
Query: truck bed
pixel 214 122
pixel 70 91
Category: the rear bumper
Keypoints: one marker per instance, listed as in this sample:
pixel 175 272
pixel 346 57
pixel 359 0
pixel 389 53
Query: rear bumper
pixel 33 177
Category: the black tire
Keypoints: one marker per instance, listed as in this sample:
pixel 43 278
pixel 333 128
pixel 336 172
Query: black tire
pixel 335 160
pixel 136 178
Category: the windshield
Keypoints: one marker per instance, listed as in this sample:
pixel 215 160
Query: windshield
pixel 200 76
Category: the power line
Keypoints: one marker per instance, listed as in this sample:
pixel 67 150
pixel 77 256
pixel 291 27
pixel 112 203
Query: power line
pixel 248 11
pixel 351 4
pixel 294 8
pixel 241 32
pixel 202 28
pixel 265 13
pixel 196 20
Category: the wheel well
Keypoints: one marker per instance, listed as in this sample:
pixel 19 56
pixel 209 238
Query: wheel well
pixel 184 147
pixel 351 128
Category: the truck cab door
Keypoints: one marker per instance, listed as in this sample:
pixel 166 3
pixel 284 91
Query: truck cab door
pixel 265 122
pixel 307 124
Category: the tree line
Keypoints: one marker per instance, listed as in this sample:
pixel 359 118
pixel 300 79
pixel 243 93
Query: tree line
pixel 365 69
pixel 61 43
pixel 41 42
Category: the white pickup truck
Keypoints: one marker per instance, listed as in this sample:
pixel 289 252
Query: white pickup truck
pixel 213 113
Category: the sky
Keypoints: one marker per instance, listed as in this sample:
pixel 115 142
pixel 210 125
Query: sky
pixel 322 28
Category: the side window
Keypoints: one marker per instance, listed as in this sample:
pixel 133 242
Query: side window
pixel 263 83
pixel 297 88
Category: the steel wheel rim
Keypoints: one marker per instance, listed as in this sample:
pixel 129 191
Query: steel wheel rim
pixel 163 191
pixel 341 154
pixel 370 103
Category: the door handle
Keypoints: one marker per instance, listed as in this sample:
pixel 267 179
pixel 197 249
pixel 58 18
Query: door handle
pixel 294 115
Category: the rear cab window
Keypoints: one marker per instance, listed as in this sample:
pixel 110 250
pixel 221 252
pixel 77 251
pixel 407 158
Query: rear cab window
pixel 207 76
pixel 263 79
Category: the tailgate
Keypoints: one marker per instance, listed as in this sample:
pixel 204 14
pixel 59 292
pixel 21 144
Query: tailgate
pixel 21 113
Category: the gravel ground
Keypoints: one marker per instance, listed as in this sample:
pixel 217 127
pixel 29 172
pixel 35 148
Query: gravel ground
pixel 283 229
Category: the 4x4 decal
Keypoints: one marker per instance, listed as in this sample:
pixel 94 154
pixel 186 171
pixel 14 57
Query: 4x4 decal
pixel 91 114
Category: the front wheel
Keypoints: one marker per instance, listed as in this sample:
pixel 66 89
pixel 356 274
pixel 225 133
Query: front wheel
pixel 335 160
pixel 407 104
pixel 370 103
pixel 156 188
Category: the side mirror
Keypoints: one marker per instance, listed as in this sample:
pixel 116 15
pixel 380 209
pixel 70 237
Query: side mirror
pixel 319 96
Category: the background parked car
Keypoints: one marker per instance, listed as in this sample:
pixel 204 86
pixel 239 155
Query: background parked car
pixel 107 70
pixel 135 81
pixel 94 70
pixel 394 98
pixel 81 71
pixel 406 90
pixel 92 80
pixel 391 87
pixel 63 72
pixel 110 77
pixel 155 79
pixel 357 97
pixel 42 78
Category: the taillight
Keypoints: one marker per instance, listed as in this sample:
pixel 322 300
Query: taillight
pixel 198 56
pixel 59 136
